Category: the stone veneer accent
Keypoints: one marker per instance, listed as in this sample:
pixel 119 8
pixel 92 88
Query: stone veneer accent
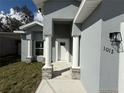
pixel 47 72
pixel 28 60
pixel 76 73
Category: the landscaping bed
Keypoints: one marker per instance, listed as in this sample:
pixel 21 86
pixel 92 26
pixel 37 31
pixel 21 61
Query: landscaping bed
pixel 20 77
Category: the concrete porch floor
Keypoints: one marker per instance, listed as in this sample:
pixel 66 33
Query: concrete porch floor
pixel 61 81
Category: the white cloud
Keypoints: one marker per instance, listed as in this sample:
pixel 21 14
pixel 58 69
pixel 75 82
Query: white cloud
pixel 4 21
pixel 12 11
pixel 17 15
pixel 14 14
pixel 3 18
pixel 2 14
pixel 38 16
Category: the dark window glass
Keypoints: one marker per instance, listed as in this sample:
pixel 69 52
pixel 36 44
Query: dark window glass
pixel 39 44
pixel 39 52
pixel 62 43
pixel 39 47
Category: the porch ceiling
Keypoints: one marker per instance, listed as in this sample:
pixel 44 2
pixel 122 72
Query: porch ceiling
pixel 85 9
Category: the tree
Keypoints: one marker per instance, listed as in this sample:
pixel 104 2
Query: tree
pixel 17 17
pixel 27 13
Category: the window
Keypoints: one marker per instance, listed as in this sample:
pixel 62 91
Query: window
pixel 39 48
pixel 62 43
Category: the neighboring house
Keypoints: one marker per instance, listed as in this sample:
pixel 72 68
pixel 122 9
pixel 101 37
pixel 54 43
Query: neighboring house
pixel 32 42
pixel 89 36
pixel 9 46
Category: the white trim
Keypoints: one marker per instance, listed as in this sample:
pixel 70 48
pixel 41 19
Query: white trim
pixel 57 49
pixel 44 49
pixel 31 24
pixel 85 9
pixel 29 48
pixel 75 52
pixel 48 51
pixel 19 32
pixel 57 44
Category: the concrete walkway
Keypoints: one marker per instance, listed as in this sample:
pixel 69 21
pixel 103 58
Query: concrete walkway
pixel 61 82
pixel 60 86
pixel 62 71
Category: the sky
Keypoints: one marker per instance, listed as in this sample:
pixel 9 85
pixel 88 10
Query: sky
pixel 5 5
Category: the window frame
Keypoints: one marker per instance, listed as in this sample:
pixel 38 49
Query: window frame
pixel 38 48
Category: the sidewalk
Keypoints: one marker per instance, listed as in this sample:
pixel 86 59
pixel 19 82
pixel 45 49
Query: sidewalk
pixel 61 82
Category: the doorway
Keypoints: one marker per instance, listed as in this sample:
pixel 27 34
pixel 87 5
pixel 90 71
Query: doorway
pixel 62 50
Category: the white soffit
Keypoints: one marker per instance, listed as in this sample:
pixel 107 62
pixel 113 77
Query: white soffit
pixel 85 9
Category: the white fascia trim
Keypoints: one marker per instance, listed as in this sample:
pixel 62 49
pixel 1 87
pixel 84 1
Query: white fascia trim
pixel 85 9
pixel 19 32
pixel 30 24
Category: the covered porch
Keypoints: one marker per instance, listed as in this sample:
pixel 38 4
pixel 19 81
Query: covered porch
pixel 61 47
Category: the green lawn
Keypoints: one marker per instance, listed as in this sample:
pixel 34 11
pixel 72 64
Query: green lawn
pixel 20 77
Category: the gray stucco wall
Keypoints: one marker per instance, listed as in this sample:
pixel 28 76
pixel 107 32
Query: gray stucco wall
pixel 112 14
pixel 61 11
pixel 110 61
pixel 7 46
pixel 58 10
pixel 90 57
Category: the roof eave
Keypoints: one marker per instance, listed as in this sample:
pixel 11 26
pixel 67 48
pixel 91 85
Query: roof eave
pixel 85 9
pixel 30 24
pixel 19 32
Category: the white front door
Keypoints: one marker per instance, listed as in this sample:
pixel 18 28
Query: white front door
pixel 62 48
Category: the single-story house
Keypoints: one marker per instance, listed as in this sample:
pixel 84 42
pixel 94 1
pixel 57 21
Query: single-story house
pixel 87 33
pixel 32 42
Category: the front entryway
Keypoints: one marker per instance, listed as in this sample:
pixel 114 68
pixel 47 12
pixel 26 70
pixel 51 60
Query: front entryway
pixel 62 50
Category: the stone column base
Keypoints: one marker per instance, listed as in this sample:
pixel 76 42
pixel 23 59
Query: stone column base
pixel 47 72
pixel 28 60
pixel 76 73
pixel 108 91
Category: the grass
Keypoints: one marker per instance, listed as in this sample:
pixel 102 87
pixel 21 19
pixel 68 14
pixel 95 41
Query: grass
pixel 20 77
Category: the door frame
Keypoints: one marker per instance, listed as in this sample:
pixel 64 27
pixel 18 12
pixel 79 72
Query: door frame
pixel 57 48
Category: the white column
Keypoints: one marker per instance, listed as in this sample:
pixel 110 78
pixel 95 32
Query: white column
pixel 29 49
pixel 44 48
pixel 75 52
pixel 48 51
pixel 57 44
